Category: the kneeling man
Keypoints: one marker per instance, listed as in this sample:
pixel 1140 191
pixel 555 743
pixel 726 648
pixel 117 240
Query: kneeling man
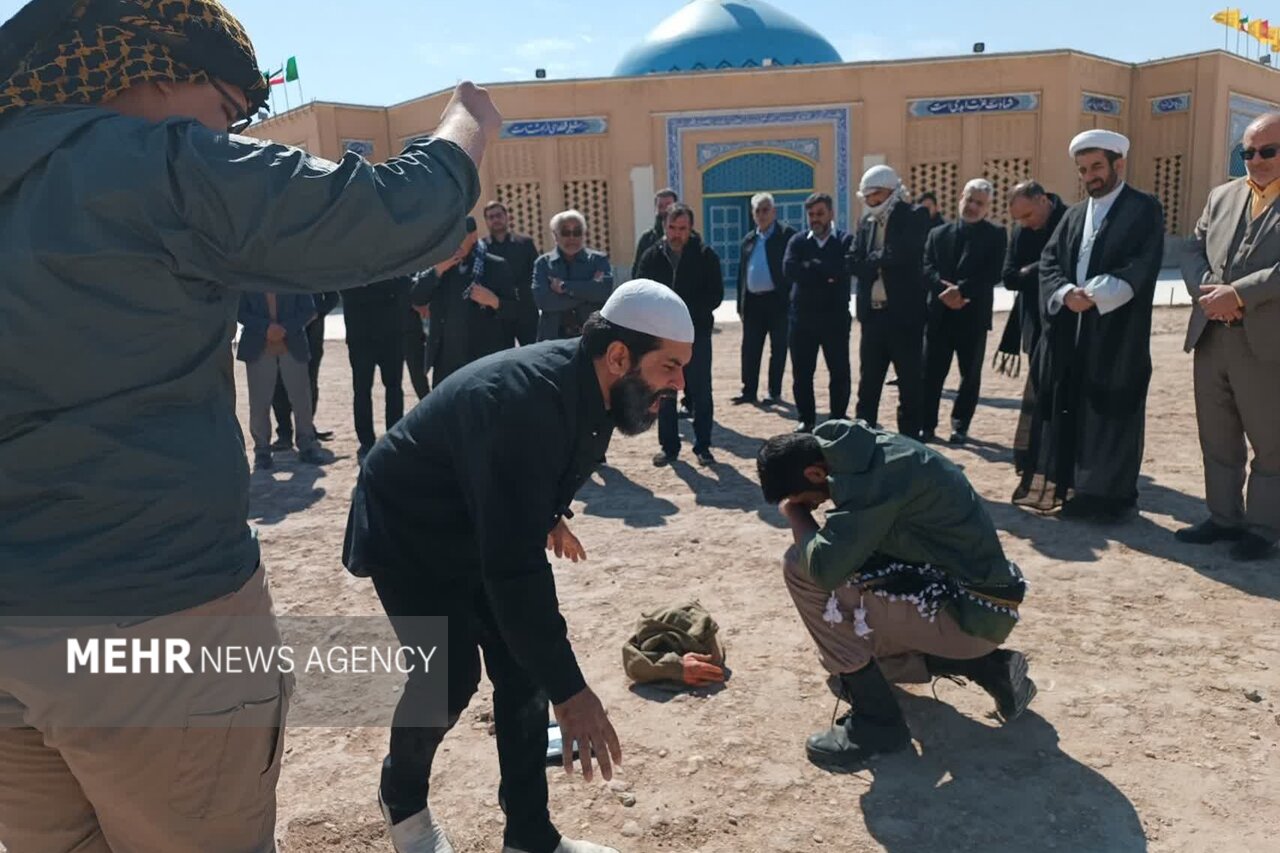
pixel 906 579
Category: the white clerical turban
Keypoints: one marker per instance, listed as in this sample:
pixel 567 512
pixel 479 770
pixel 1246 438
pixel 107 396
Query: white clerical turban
pixel 650 308
pixel 1107 140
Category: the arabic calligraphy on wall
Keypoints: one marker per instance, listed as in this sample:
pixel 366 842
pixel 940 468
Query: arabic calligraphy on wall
pixel 536 128
pixel 1012 103
pixel 1169 104
pixel 1101 104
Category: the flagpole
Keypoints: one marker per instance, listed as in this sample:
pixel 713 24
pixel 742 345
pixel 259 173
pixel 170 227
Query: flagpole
pixel 302 99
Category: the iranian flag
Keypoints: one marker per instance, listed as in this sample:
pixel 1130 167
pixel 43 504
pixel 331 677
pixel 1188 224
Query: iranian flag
pixel 287 74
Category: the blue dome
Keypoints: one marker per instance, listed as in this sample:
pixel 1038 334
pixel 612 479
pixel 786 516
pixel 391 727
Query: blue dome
pixel 707 35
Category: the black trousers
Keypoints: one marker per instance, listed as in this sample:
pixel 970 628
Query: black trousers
pixel 884 343
pixel 280 399
pixel 367 353
pixel 831 335
pixel 966 344
pixel 764 315
pixel 415 355
pixel 519 707
pixel 697 389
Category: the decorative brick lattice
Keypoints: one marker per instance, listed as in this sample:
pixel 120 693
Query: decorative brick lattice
pixel 942 179
pixel 1004 175
pixel 1168 188
pixel 592 198
pixel 524 201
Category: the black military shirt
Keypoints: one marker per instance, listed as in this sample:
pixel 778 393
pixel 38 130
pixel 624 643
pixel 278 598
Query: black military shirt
pixel 468 485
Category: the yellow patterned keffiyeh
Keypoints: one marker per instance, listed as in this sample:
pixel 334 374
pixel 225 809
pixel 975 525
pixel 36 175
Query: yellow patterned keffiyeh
pixel 88 51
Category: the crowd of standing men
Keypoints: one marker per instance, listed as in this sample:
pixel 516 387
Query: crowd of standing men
pixel 923 292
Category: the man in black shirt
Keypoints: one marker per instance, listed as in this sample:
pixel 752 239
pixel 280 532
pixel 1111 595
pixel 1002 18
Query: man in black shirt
pixel 816 267
pixel 1037 214
pixel 520 253
pixel 682 262
pixel 452 514
pixel 887 251
pixel 373 315
pixel 473 304
pixel 962 264
pixel 662 201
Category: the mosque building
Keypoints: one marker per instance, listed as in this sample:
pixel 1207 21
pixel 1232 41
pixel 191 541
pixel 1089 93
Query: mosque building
pixel 726 98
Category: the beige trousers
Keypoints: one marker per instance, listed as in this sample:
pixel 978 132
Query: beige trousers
pixel 206 787
pixel 899 638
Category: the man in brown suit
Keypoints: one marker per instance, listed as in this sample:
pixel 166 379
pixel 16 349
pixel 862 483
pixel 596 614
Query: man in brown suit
pixel 1233 274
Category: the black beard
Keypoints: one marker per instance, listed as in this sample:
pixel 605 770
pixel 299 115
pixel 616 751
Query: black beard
pixel 630 401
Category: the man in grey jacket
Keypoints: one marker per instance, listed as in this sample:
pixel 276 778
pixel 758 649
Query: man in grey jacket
pixel 129 212
pixel 1233 275
pixel 571 282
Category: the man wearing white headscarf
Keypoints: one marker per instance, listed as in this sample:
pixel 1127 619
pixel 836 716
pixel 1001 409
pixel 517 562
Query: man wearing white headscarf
pixel 886 262
pixel 452 515
pixel 1097 281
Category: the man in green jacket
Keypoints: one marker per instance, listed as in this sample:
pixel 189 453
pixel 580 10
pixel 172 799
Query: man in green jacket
pixel 907 573
pixel 131 217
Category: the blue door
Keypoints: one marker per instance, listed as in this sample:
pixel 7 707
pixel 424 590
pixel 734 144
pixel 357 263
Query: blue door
pixel 727 188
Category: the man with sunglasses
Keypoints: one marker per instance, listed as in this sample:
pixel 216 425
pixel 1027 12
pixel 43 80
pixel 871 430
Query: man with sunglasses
pixel 130 222
pixel 571 281
pixel 1097 282
pixel 1233 275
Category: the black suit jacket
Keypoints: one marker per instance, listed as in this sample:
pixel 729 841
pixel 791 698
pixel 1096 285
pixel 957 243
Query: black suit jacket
pixel 900 264
pixel 1025 248
pixel 973 260
pixel 461 330
pixel 775 248
pixel 697 278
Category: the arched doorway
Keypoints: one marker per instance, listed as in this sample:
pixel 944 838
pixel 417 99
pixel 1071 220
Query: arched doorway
pixel 727 187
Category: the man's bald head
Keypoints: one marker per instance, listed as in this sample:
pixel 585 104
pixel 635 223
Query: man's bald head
pixel 1261 143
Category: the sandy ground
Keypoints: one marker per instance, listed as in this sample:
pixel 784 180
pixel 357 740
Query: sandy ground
pixel 1142 737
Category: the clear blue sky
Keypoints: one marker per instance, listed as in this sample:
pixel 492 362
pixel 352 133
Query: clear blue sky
pixel 385 51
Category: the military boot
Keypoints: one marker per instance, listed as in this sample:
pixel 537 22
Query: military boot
pixel 1003 674
pixel 873 726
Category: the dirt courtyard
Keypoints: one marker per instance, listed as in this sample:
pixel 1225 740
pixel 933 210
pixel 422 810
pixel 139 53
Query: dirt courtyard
pixel 1156 726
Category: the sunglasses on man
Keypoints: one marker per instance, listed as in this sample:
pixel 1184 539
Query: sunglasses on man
pixel 243 118
pixel 1266 152
pixel 571 232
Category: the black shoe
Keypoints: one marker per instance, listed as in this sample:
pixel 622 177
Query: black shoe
pixel 1080 508
pixel 311 456
pixel 704 457
pixel 928 437
pixel 1207 532
pixel 283 443
pixel 1252 547
pixel 804 427
pixel 958 438
pixel 743 399
pixel 772 400
pixel 663 459
pixel 1003 674
pixel 262 460
pixel 324 435
pixel 874 726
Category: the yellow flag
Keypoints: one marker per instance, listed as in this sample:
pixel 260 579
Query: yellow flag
pixel 1260 30
pixel 1228 18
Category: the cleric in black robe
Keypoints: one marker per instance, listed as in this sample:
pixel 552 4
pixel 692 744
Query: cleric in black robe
pixel 1036 214
pixel 1097 281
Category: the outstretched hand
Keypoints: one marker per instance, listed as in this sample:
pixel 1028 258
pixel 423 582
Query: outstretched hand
pixel 583 721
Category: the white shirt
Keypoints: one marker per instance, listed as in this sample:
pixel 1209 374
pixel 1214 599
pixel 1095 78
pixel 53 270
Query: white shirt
pixel 1107 291
pixel 822 241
